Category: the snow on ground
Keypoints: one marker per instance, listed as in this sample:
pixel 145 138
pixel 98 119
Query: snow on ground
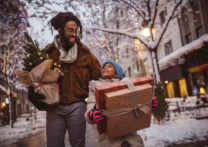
pixel 22 128
pixel 179 131
pixel 180 128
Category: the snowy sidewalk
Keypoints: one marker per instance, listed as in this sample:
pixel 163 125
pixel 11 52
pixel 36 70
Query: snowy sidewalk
pixel 22 128
pixel 178 130
pixel 181 127
pixel 182 130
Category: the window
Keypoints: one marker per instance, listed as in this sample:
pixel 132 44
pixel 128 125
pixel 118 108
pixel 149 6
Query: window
pixel 168 48
pixel 162 16
pixel 199 32
pixel 188 38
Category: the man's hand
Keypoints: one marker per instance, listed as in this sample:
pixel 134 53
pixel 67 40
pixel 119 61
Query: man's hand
pixel 36 100
pixel 95 115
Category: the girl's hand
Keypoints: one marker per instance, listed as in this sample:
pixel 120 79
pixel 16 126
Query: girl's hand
pixel 154 102
pixel 95 115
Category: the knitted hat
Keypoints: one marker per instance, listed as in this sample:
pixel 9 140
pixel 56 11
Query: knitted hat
pixel 118 69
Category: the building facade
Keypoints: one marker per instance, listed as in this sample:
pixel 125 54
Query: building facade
pixel 183 54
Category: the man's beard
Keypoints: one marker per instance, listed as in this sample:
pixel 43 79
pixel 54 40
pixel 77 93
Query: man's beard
pixel 67 44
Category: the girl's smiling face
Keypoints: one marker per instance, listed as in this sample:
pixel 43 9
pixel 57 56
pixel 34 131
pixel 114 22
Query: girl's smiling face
pixel 108 71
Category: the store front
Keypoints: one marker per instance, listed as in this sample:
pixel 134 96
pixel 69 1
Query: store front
pixel 196 64
pixel 199 78
pixel 175 81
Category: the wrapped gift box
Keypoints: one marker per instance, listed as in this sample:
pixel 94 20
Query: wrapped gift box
pixel 50 91
pixel 125 115
pixel 101 90
pixel 43 79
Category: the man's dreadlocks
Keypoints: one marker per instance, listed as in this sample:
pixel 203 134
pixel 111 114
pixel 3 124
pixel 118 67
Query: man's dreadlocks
pixel 61 18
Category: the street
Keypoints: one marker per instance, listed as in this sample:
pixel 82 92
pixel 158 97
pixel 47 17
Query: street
pixel 36 140
pixel 39 140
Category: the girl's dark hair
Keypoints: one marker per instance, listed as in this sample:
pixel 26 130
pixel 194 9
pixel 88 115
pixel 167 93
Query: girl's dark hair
pixel 61 18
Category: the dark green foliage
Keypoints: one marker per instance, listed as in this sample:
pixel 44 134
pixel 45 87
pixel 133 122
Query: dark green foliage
pixel 33 54
pixel 160 111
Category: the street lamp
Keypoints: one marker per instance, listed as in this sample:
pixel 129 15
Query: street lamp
pixel 145 32
pixel 3 104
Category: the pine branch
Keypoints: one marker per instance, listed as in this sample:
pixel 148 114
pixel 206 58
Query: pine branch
pixel 33 54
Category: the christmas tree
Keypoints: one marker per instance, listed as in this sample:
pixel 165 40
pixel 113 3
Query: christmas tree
pixel 33 54
pixel 160 111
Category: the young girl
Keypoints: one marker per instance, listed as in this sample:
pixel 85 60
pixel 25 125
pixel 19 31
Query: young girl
pixel 110 72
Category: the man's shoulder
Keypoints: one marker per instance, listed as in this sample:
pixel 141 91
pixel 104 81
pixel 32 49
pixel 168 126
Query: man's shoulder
pixel 49 47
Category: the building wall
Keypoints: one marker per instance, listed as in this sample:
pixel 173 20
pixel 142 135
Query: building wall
pixel 129 59
pixel 172 34
pixel 182 30
pixel 194 24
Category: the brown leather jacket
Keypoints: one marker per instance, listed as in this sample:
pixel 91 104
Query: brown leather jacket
pixel 74 83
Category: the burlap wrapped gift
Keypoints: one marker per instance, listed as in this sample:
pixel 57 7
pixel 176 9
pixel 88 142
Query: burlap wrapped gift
pixel 43 79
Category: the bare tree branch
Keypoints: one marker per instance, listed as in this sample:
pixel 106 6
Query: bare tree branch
pixel 131 35
pixel 148 9
pixel 164 28
pixel 135 8
pixel 154 14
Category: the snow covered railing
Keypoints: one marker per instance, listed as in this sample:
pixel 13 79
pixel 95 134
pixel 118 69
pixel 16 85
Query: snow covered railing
pixel 180 107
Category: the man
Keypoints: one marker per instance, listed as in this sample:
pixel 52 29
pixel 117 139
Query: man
pixel 78 66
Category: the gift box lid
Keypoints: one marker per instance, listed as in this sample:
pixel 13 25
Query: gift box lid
pixel 102 89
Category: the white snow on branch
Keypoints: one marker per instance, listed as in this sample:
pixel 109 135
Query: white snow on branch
pixel 22 128
pixel 131 35
pixel 136 9
pixel 194 45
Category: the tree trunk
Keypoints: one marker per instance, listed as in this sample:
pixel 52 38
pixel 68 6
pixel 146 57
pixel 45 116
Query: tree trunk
pixel 155 67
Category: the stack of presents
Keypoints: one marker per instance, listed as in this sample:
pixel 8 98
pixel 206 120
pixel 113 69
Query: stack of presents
pixel 126 104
